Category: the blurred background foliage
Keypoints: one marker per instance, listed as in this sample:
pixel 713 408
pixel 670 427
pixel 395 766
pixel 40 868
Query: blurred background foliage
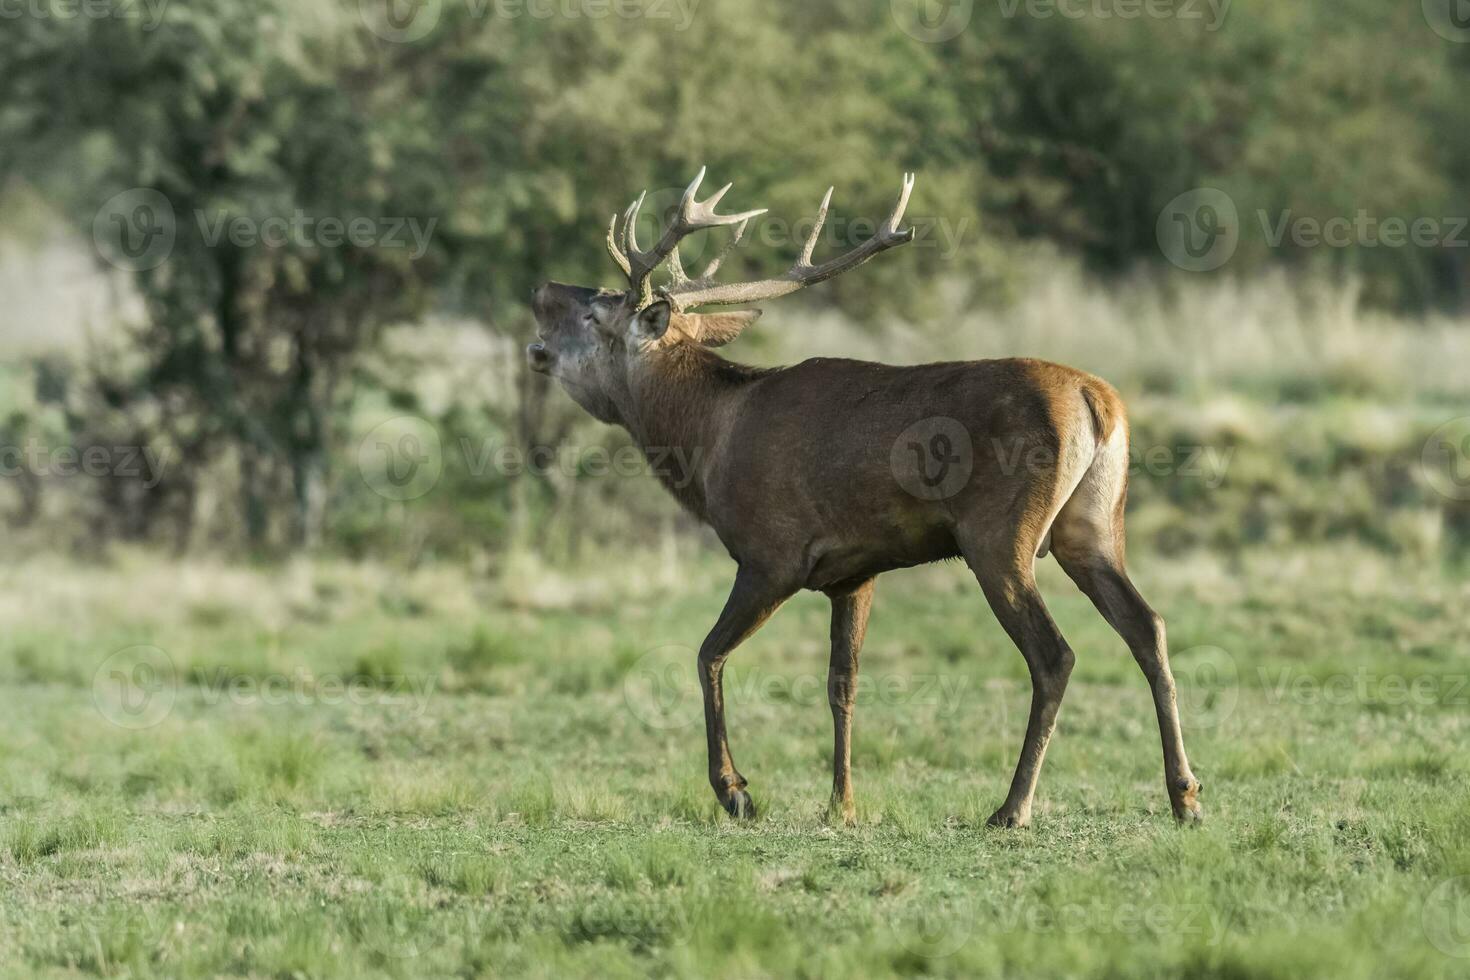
pixel 1046 148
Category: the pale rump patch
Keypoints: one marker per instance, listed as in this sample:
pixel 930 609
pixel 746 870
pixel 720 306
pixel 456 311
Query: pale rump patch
pixel 1077 459
pixel 1087 517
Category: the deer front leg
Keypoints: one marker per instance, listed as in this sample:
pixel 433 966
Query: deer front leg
pixel 752 601
pixel 849 626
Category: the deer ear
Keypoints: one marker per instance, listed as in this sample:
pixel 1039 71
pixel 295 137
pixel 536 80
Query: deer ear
pixel 718 329
pixel 652 322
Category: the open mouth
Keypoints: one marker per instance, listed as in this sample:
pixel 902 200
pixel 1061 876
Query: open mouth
pixel 537 358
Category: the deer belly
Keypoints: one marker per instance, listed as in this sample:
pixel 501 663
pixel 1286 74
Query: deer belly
pixel 881 548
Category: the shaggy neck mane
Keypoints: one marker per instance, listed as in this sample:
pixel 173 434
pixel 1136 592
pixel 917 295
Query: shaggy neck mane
pixel 681 407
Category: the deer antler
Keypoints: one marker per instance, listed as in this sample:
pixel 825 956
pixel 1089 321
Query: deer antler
pixel 685 293
pixel 693 216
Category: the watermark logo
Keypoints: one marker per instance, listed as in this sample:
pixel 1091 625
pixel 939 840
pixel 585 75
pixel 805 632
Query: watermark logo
pixel 662 690
pixel 933 931
pixel 1450 19
pixel 397 933
pixel 400 21
pixel 1199 230
pixel 401 459
pixel 135 687
pixel 1445 459
pixel 933 459
pixel 136 230
pixel 932 21
pixel 1207 679
pixel 1446 917
pixel 643 920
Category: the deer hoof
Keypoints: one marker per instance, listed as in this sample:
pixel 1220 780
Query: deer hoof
pixel 841 813
pixel 739 805
pixel 1008 819
pixel 1187 809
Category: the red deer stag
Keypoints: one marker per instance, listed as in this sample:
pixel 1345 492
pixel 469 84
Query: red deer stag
pixel 816 476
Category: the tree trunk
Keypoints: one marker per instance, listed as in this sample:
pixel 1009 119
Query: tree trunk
pixel 309 476
pixel 252 497
pixel 312 395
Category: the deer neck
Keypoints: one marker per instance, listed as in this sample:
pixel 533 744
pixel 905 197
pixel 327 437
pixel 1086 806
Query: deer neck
pixel 681 405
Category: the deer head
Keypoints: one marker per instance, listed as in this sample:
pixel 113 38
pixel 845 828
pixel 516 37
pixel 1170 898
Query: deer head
pixel 591 339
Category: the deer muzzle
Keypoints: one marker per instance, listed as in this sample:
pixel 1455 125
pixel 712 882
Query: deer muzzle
pixel 537 359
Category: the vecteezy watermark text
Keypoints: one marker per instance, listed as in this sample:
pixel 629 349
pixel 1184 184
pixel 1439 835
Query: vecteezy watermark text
pixel 137 687
pixel 674 464
pixel 1211 12
pixel 1209 464
pixel 144 463
pixel 1200 230
pixel 662 689
pixel 407 21
pixel 937 21
pixel 150 12
pixel 302 230
pixel 938 930
pixel 138 230
pixel 1289 686
pixel 304 689
pixel 931 232
pixel 403 459
pixel 1363 229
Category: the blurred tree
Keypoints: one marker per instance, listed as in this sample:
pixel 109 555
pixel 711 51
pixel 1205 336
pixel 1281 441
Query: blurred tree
pixel 520 134
pixel 289 186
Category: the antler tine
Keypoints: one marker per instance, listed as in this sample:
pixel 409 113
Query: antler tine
pixel 686 205
pixel 694 215
pixel 679 279
pixel 701 292
pixel 717 197
pixel 630 228
pixel 730 246
pixel 811 242
pixel 677 275
pixel 903 205
pixel 618 255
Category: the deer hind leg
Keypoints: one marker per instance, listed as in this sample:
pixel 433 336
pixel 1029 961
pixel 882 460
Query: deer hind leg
pixel 1087 539
pixel 752 601
pixel 849 626
pixel 1004 565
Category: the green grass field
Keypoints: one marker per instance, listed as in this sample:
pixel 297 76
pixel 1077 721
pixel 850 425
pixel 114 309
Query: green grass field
pixel 336 770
